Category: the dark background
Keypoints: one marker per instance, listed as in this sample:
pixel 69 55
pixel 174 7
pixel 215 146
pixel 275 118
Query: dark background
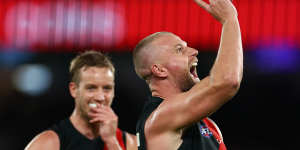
pixel 264 115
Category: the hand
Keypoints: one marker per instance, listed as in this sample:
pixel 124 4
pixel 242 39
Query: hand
pixel 222 10
pixel 106 122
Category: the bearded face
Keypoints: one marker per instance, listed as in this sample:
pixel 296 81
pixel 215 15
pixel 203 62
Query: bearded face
pixel 179 59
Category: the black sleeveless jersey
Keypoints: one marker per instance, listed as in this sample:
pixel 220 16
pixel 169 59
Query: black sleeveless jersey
pixel 71 139
pixel 199 136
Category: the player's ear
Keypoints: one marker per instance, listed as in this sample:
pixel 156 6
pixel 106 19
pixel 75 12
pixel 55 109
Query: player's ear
pixel 159 71
pixel 73 89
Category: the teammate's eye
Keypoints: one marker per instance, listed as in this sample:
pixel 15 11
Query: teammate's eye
pixel 108 88
pixel 91 87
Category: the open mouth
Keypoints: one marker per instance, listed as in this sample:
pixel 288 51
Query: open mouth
pixel 193 70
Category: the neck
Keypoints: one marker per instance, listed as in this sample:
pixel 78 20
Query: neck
pixel 163 88
pixel 82 125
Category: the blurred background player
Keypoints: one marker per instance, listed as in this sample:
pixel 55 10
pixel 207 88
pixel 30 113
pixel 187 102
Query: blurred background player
pixel 93 124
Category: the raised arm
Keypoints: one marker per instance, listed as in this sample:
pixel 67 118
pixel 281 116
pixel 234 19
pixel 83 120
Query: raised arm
pixel 228 66
pixel 216 89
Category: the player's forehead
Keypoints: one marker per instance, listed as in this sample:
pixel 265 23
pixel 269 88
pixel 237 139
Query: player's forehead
pixel 96 74
pixel 169 39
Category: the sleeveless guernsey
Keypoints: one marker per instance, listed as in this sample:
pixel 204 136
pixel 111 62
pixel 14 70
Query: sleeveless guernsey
pixel 71 139
pixel 203 135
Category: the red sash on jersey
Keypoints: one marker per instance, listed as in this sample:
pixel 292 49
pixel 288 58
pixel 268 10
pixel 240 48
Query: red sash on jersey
pixel 215 131
pixel 120 139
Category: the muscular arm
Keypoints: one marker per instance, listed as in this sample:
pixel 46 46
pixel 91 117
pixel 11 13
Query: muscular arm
pixel 213 91
pixel 228 67
pixel 47 140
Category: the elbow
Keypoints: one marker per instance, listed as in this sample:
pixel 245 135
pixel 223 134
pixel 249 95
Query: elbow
pixel 232 84
pixel 229 86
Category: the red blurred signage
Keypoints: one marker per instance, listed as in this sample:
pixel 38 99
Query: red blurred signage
pixel 120 24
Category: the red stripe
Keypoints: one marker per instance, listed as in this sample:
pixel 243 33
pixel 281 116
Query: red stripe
pixel 211 126
pixel 120 139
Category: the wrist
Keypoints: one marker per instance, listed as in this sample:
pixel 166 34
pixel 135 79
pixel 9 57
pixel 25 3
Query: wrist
pixel 230 19
pixel 112 143
pixel 110 140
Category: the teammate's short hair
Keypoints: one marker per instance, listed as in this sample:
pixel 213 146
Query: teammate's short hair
pixel 89 58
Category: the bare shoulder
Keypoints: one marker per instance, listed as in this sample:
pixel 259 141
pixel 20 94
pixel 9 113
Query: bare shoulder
pixel 131 141
pixel 160 129
pixel 158 121
pixel 47 139
pixel 162 119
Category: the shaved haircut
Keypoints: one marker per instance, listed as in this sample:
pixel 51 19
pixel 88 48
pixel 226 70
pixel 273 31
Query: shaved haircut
pixel 141 67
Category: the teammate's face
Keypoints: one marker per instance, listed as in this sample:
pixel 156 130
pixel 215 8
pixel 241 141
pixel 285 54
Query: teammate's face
pixel 180 61
pixel 96 87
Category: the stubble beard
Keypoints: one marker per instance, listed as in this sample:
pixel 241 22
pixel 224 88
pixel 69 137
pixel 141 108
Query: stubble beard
pixel 186 83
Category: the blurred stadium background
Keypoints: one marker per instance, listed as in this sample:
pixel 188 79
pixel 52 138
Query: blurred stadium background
pixel 38 38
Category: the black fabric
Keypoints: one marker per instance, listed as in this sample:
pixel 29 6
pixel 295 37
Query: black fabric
pixel 124 138
pixel 194 140
pixel 149 107
pixel 71 139
pixel 195 137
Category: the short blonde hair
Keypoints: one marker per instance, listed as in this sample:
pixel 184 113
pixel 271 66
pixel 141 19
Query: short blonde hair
pixel 138 65
pixel 89 58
